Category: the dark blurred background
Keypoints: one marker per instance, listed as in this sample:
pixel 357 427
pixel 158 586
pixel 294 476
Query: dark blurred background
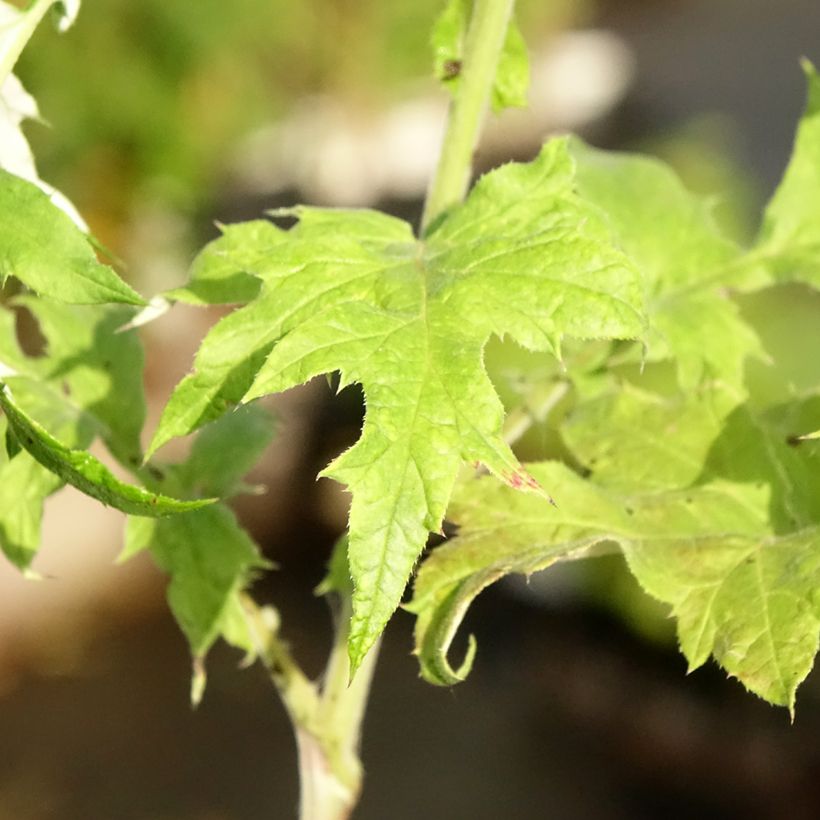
pixel 168 116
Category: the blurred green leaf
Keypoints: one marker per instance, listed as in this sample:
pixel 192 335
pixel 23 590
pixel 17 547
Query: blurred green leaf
pixel 209 558
pixel 687 264
pixel 789 242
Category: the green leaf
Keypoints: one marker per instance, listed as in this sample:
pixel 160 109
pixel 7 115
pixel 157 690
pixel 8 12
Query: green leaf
pixel 715 507
pixel 24 486
pixel 83 471
pixel 789 242
pixel 357 293
pixel 225 450
pixel 44 249
pixel 738 589
pixel 631 439
pixel 223 271
pixel 513 76
pixel 672 236
pixel 209 558
pixel 96 367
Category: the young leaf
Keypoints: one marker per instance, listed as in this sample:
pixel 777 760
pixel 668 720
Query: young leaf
pixel 44 249
pixel 95 367
pixel 739 590
pixel 209 558
pixel 83 471
pixel 408 319
pixel 789 242
pixel 24 486
pixel 513 75
pixel 672 236
pixel 225 450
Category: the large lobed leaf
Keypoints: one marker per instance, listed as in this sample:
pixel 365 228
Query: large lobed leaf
pixel 720 520
pixel 355 292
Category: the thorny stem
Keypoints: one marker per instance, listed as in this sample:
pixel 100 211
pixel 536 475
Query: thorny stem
pixel 482 49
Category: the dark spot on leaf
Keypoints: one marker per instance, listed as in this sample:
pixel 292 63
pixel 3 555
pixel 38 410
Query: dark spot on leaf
pixel 793 440
pixel 630 511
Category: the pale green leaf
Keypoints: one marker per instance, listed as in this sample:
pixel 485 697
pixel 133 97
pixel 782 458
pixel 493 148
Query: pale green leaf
pixel 223 271
pixel 739 590
pixel 630 439
pixel 97 367
pixel 715 507
pixel 355 292
pixel 80 469
pixel 18 25
pixel 225 450
pixel 209 558
pixel 789 242
pixel 513 75
pixel 24 486
pixel 44 249
pixel 673 238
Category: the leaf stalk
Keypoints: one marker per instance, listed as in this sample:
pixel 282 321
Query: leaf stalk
pixel 326 717
pixel 483 44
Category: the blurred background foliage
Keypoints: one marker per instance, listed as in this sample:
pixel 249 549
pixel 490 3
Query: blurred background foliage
pixel 149 104
pixel 154 94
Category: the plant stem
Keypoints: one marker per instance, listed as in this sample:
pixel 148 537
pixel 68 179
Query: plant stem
pixel 330 770
pixel 326 718
pixel 482 49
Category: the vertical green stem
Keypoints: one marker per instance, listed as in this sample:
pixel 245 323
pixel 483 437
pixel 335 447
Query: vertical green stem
pixel 330 769
pixel 326 718
pixel 482 49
